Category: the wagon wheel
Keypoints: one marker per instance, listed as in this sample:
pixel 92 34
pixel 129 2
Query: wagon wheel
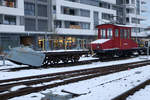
pixel 75 59
pixel 45 63
pixel 65 60
pixel 56 61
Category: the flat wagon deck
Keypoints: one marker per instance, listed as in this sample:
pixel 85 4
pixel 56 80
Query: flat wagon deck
pixel 28 56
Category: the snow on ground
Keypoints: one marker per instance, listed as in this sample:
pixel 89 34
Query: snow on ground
pixel 30 72
pixel 143 94
pixel 101 88
pixel 9 64
pixel 18 87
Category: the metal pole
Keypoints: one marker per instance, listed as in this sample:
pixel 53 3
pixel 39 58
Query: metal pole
pixel 45 41
pixel 3 56
pixel 148 50
pixel 136 24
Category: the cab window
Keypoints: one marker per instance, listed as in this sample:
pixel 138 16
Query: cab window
pixel 121 33
pixel 116 33
pixel 103 33
pixel 125 33
pixel 109 33
pixel 128 32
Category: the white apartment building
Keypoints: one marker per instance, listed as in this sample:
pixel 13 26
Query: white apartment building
pixel 79 17
pixel 133 13
pixel 11 12
pixel 71 20
pixel 88 13
pixel 11 22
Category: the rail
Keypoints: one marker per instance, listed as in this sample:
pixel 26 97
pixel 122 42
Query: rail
pixel 126 94
pixel 63 78
pixel 3 58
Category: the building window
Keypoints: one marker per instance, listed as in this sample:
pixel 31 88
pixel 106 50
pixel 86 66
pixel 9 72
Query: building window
pixel 69 11
pixel 90 2
pixel 72 0
pixel 104 5
pixel 30 24
pixel 42 0
pixel 1 19
pixel 42 10
pixel 54 9
pixel 127 20
pixel 84 13
pixel 9 20
pixel 57 24
pixel 127 2
pixel 107 16
pixel 29 9
pixel 73 25
pixel 75 12
pixel 133 1
pixel 135 21
pixel 138 7
pixel 96 18
pixel 42 25
pixel 119 2
pixel 85 25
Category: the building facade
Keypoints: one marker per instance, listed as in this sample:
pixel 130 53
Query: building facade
pixel 61 24
pixel 11 22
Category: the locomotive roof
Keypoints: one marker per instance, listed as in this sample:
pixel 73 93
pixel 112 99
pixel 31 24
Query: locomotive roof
pixel 116 25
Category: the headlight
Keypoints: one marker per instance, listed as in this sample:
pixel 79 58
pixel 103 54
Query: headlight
pixel 98 46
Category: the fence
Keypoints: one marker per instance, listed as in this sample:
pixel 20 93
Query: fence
pixel 56 44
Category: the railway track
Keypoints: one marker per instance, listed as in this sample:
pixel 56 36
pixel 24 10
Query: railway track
pixel 42 82
pixel 52 65
pixel 64 64
pixel 131 91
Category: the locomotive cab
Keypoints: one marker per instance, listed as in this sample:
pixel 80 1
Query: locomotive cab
pixel 113 40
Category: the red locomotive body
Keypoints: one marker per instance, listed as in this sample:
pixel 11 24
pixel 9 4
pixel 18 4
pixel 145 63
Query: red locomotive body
pixel 114 40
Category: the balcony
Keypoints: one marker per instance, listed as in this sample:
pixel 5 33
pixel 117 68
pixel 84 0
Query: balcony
pixel 144 9
pixel 143 2
pixel 130 5
pixel 69 31
pixel 71 18
pixel 11 11
pixel 11 28
pixel 8 3
pixel 141 17
pixel 110 1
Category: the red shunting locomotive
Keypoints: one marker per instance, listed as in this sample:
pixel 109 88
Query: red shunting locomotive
pixel 114 40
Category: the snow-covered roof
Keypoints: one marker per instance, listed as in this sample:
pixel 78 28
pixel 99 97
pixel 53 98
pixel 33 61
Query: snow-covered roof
pixel 117 25
pixel 62 50
pixel 100 41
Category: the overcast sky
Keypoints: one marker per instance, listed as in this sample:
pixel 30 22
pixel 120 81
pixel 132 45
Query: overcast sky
pixel 147 14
